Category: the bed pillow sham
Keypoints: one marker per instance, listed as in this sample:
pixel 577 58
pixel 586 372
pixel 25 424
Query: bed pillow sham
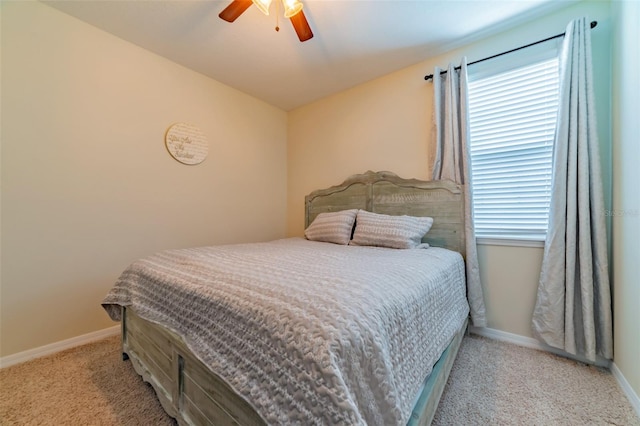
pixel 381 230
pixel 333 227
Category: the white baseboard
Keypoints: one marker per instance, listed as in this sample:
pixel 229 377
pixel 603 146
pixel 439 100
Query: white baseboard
pixel 534 344
pixel 20 357
pixel 504 336
pixel 530 342
pixel 626 388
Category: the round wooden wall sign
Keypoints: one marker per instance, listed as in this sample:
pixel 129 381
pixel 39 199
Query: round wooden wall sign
pixel 186 143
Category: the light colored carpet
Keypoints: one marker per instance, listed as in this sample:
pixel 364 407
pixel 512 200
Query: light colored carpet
pixel 497 383
pixel 87 385
pixel 492 383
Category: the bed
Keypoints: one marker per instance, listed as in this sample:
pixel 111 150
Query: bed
pixel 304 332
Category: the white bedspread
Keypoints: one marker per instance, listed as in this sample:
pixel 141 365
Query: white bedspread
pixel 307 332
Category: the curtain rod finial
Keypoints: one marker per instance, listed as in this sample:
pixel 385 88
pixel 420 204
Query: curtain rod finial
pixel 593 24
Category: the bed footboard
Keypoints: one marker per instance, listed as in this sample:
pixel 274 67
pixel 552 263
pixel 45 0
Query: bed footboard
pixel 193 395
pixel 187 390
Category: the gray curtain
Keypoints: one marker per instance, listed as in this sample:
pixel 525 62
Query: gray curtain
pixel 573 306
pixel 451 117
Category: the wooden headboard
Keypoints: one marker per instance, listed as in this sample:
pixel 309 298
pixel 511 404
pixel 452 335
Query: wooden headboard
pixel 387 193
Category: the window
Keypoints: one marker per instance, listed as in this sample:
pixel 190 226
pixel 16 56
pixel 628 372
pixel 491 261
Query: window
pixel 512 122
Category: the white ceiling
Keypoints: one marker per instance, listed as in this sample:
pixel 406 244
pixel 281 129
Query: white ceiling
pixel 354 40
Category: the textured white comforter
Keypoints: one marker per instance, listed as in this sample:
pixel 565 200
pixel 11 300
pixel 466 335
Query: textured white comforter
pixel 307 332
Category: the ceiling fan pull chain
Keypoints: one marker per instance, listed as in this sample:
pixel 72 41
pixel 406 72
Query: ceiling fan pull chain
pixel 277 15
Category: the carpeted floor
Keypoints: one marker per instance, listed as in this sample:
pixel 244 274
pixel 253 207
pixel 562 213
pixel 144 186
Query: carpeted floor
pixel 492 383
pixel 497 383
pixel 88 385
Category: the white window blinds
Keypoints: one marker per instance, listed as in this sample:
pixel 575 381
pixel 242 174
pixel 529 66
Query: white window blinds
pixel 512 123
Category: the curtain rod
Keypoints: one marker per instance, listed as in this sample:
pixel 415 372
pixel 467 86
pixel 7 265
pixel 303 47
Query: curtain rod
pixel 430 76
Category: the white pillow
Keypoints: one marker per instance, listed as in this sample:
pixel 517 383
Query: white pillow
pixel 333 227
pixel 381 230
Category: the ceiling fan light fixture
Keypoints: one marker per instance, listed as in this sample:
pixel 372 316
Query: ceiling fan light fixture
pixel 292 11
pixel 291 7
pixel 263 5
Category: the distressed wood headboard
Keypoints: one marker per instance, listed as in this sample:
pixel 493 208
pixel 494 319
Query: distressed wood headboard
pixel 387 193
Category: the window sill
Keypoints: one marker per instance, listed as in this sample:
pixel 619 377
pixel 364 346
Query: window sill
pixel 509 242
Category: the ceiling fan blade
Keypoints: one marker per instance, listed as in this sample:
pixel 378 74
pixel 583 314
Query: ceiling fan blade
pixel 235 9
pixel 301 26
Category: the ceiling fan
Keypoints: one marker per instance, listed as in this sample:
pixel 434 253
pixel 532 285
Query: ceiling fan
pixel 292 10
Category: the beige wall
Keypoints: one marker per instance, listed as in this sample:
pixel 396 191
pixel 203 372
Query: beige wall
pixel 385 125
pixel 87 184
pixel 626 195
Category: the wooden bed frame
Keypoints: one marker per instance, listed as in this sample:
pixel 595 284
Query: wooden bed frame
pixel 191 393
